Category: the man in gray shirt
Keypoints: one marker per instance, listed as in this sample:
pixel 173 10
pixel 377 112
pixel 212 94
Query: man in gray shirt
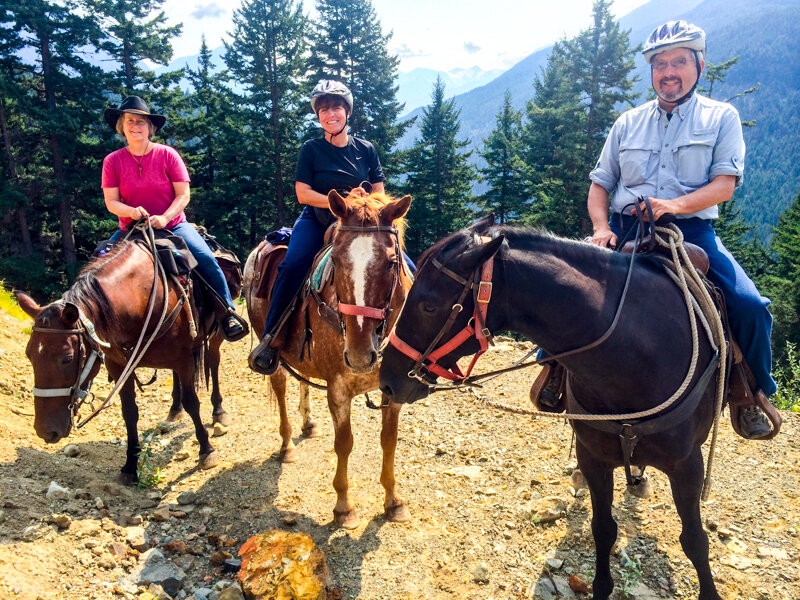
pixel 685 153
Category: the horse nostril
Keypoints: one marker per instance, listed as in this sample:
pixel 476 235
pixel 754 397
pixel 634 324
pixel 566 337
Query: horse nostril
pixel 373 357
pixel 346 361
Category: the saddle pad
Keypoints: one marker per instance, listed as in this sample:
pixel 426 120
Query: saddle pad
pixel 322 270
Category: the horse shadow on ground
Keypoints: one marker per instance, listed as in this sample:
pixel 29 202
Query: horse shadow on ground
pixel 636 558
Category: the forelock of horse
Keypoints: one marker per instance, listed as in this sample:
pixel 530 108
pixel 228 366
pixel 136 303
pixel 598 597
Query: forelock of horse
pixel 367 209
pixel 89 295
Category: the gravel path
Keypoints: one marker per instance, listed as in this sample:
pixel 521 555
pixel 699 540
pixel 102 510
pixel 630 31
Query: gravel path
pixel 475 480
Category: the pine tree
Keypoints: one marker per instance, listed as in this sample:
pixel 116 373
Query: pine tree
pixel 783 285
pixel 349 46
pixel 266 58
pixel 505 170
pixel 439 176
pixel 136 30
pixel 574 105
pixel 67 106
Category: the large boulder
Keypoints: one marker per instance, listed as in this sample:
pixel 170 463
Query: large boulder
pixel 280 565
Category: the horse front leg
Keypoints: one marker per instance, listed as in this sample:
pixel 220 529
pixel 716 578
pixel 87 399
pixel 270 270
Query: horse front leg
pixel 218 415
pixel 130 415
pixel 191 403
pixel 600 479
pixel 686 480
pixel 394 507
pixel 344 513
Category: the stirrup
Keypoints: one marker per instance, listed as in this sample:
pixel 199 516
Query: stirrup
pixel 264 359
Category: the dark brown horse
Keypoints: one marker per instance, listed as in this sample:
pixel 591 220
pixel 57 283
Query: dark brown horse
pixel 368 288
pixel 564 295
pixel 111 296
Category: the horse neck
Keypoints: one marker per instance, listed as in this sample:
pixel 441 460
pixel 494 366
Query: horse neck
pixel 108 291
pixel 556 294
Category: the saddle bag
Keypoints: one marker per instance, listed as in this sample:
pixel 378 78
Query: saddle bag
pixel 175 255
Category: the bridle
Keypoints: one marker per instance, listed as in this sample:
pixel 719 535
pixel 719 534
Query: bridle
pixel 89 361
pixel 358 310
pixel 425 365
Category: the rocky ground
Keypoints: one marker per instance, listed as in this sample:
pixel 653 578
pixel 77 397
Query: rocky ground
pixel 474 479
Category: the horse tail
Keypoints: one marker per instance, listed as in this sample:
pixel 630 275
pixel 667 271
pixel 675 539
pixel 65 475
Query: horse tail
pixel 200 375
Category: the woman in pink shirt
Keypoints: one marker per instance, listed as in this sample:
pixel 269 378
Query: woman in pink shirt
pixel 149 180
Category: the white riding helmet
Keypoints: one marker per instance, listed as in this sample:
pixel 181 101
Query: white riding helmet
pixel 329 87
pixel 675 34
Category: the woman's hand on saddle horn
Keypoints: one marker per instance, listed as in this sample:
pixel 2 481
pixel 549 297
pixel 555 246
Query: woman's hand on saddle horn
pixel 138 212
pixel 158 221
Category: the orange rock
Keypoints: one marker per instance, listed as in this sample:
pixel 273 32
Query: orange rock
pixel 175 547
pixel 281 565
pixel 579 585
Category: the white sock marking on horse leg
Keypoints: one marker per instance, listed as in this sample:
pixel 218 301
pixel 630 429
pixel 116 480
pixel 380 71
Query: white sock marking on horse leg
pixel 361 256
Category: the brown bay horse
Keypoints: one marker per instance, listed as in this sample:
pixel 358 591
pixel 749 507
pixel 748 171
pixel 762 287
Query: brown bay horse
pixel 111 297
pixel 365 294
pixel 564 295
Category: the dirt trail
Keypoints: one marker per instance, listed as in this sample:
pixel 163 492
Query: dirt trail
pixel 471 477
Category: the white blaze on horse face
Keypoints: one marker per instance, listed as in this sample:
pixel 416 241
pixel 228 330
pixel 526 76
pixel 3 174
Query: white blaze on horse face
pixel 361 254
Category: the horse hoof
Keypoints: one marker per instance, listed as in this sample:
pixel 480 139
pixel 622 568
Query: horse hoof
pixel 310 431
pixel 398 514
pixel 209 460
pixel 289 455
pixel 222 418
pixel 175 415
pixel 643 489
pixel 346 520
pixel 578 480
pixel 128 479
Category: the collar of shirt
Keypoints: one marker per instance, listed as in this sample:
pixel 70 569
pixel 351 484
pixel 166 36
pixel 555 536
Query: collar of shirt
pixel 682 110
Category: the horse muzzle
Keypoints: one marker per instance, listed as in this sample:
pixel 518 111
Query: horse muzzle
pixel 51 423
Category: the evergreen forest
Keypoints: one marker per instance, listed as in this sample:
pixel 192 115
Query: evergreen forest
pixel 239 130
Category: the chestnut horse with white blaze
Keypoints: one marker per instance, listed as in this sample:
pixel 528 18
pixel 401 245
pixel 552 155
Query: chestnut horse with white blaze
pixel 368 288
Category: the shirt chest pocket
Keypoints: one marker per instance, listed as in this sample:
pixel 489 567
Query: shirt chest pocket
pixel 693 158
pixel 637 161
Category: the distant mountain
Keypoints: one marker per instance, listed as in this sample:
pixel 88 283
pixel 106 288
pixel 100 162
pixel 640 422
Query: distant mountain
pixel 415 86
pixel 765 34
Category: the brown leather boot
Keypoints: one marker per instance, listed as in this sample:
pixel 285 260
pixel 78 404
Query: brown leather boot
pixel 547 391
pixel 264 358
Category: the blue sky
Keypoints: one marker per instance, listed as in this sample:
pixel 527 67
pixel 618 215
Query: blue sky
pixel 437 34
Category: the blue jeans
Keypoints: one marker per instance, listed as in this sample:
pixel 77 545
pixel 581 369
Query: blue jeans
pixel 306 241
pixel 748 315
pixel 207 265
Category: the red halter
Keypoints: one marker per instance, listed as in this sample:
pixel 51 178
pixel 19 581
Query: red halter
pixel 481 285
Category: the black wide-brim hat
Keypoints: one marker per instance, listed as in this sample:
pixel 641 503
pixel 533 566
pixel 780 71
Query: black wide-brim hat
pixel 135 106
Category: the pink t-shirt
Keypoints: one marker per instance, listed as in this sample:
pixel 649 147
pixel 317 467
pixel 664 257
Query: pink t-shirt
pixel 150 187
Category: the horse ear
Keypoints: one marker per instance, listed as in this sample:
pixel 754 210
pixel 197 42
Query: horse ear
pixel 70 313
pixel 480 254
pixel 337 204
pixel 28 304
pixel 483 224
pixel 394 210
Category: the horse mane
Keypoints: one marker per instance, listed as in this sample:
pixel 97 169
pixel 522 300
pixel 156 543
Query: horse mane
pixel 367 209
pixel 519 238
pixel 88 293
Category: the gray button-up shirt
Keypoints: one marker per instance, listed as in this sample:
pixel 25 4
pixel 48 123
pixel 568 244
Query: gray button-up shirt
pixel 648 155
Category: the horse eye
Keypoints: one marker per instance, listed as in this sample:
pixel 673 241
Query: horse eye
pixel 428 307
pixel 68 358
